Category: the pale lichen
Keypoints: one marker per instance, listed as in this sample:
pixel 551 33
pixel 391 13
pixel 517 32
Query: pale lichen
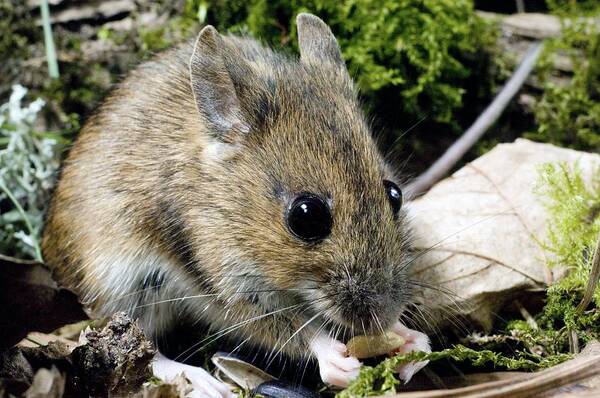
pixel 29 160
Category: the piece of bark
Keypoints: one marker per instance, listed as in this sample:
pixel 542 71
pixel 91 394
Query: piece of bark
pixel 481 231
pixel 111 362
pixel 114 360
pixel 33 301
pixel 532 25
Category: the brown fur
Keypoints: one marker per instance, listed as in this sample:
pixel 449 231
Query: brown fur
pixel 179 185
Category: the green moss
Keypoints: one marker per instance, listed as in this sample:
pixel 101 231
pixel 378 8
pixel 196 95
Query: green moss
pixel 381 378
pixel 572 203
pixel 572 236
pixel 573 7
pixel 189 16
pixel 569 115
pixel 574 228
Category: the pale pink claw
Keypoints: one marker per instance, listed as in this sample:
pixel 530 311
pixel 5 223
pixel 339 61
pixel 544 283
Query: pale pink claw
pixel 415 341
pixel 335 367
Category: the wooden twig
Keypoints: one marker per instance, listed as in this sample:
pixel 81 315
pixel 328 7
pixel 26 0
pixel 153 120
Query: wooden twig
pixel 520 6
pixel 526 315
pixel 573 342
pixel 592 280
pixel 453 154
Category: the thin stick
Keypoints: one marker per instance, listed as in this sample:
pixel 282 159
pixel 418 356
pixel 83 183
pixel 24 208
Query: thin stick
pixel 453 154
pixel 592 280
pixel 49 41
pixel 526 315
pixel 520 6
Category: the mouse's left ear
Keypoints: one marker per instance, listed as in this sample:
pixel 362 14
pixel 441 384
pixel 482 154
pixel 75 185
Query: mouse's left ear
pixel 316 41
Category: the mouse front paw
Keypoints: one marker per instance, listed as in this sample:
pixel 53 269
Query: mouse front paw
pixel 204 385
pixel 415 341
pixel 335 366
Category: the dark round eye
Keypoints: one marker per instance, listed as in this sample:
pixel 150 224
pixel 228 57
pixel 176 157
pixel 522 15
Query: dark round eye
pixel 309 218
pixel 394 195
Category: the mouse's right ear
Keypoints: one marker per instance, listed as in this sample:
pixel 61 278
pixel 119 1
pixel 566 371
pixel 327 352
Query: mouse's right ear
pixel 214 90
pixel 316 41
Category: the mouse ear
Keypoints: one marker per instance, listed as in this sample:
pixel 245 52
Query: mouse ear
pixel 214 90
pixel 316 41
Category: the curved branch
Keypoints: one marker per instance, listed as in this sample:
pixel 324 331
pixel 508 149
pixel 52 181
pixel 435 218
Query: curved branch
pixel 453 154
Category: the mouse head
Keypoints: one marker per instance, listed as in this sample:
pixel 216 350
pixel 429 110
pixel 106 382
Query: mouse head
pixel 302 202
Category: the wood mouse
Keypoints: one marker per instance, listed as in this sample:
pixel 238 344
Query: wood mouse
pixel 225 183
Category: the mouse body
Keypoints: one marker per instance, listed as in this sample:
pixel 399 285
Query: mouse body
pixel 226 184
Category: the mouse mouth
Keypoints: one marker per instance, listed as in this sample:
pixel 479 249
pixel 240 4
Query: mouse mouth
pixel 354 314
pixel 359 306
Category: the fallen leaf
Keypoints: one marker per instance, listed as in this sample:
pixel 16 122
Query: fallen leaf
pixel 36 339
pixel 176 388
pixel 480 232
pixel 47 383
pixel 19 365
pixel 35 300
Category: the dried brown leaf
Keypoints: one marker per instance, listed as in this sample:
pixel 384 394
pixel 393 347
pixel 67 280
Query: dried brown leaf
pixel 481 231
pixel 35 300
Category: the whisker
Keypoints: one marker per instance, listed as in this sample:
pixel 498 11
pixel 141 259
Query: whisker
pixel 215 336
pixel 377 322
pixel 218 294
pixel 429 321
pixel 430 248
pixel 232 328
pixel 121 297
pixel 307 357
pixel 295 334
pixel 175 299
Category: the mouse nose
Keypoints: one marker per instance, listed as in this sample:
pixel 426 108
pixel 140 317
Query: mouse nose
pixel 364 306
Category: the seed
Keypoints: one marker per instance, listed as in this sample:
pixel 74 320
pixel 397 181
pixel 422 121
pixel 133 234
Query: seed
pixel 374 345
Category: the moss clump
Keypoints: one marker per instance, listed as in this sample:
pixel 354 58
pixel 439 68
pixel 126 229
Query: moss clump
pixel 572 7
pixel 574 230
pixel 569 115
pixel 381 379
pixel 413 46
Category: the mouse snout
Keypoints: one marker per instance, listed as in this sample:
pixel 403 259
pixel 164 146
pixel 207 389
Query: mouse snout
pixel 367 302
